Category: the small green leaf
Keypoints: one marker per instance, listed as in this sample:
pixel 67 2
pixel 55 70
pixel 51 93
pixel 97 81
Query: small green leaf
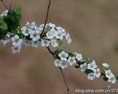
pixel 77 66
pixel 60 42
pixel 18 10
pixel 104 77
pixel 82 62
pixel 43 34
pixel 87 71
pixel 70 54
pixel 117 78
pixel 3 25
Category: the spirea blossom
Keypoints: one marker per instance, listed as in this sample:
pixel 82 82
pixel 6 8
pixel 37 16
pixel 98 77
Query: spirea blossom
pixel 33 35
pixel 4 13
pixel 63 55
pixel 66 59
pixel 105 65
pixel 47 35
pixel 92 65
pixel 6 40
pixel 83 67
pixel 111 77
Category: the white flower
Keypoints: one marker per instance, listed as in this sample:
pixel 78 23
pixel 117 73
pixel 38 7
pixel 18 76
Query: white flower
pixel 91 76
pixel 63 55
pixel 45 43
pixel 57 62
pixel 25 31
pixel 71 60
pixel 112 80
pixel 54 43
pixel 110 76
pixel 33 24
pixel 51 25
pixel 27 24
pixel 35 43
pixel 105 65
pixel 63 64
pixel 97 72
pixel 61 29
pixel 16 41
pixel 6 40
pixel 50 34
pixel 92 65
pixel 4 13
pixel 109 73
pixel 35 36
pixel 69 40
pixel 16 49
pixel 83 67
pixel 78 56
pixel 59 35
pixel 32 30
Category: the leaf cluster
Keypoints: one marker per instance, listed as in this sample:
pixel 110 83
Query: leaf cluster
pixel 10 22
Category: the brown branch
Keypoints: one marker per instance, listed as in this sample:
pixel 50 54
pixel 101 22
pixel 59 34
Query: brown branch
pixel 63 75
pixel 47 15
pixel 4 4
pixel 49 50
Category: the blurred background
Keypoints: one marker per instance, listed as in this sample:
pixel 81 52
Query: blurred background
pixel 93 25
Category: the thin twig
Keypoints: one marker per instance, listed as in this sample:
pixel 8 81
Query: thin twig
pixel 49 50
pixel 63 75
pixel 47 15
pixel 10 4
pixel 67 88
pixel 4 4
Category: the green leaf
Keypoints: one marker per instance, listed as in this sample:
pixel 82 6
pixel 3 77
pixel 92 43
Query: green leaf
pixel 56 52
pixel 60 42
pixel 70 54
pixel 104 77
pixel 117 78
pixel 2 33
pixel 13 21
pixel 87 71
pixel 3 25
pixel 77 66
pixel 43 34
pixel 18 10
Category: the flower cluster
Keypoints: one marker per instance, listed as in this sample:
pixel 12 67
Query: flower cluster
pixel 108 74
pixel 64 59
pixel 33 35
pixel 47 35
pixel 4 13
pixel 55 36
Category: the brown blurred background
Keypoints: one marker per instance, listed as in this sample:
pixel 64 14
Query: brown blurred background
pixel 93 25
